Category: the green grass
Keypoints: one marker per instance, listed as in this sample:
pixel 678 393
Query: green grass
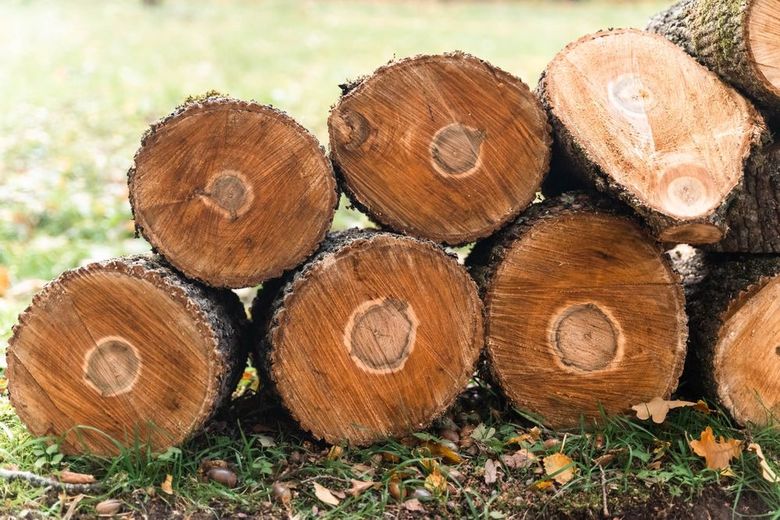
pixel 81 82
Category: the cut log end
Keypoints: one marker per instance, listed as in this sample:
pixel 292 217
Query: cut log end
pixel 470 139
pixel 745 363
pixel 232 193
pixel 602 315
pixel 358 352
pixel 763 35
pixel 660 147
pixel 697 233
pixel 121 352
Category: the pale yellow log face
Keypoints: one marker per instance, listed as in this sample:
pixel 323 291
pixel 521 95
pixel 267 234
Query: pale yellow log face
pixel 642 110
pixel 747 356
pixel 764 40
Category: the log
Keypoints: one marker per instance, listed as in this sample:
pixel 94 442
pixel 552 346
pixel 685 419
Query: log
pixel 737 39
pixel 447 147
pixel 122 352
pixel 373 338
pixel 583 311
pixel 734 304
pixel 625 127
pixel 754 216
pixel 231 193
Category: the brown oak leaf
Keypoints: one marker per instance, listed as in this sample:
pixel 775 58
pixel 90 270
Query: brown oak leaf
pixel 717 453
pixel 658 409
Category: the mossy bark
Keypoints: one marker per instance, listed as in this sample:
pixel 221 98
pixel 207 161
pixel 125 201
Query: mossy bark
pixel 715 33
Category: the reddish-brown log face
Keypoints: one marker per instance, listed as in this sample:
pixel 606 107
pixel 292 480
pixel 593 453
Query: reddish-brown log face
pixel 232 193
pixel 376 339
pixel 747 355
pixel 584 311
pixel 447 147
pixel 763 35
pixel 125 357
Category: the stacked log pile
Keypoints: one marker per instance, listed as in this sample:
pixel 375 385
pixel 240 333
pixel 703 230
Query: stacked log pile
pixel 637 139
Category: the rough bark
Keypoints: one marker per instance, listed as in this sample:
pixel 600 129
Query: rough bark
pixel 150 357
pixel 231 193
pixel 578 295
pixel 446 148
pixel 731 296
pixel 642 142
pixel 717 34
pixel 302 325
pixel 753 219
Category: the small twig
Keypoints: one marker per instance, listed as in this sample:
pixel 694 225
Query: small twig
pixel 39 481
pixel 73 505
pixel 323 477
pixel 604 491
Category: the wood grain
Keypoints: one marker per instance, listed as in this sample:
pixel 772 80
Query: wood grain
pixel 124 351
pixel 232 193
pixel 734 304
pixel 583 311
pixel 627 129
pixel 737 39
pixel 445 147
pixel 373 338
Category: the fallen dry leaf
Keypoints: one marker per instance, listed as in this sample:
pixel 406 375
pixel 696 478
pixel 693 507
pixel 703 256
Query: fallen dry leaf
pixel 718 454
pixel 167 485
pixel 436 483
pixel 702 407
pixel 396 489
pixel 560 467
pixel 605 459
pixel 325 495
pixel 491 471
pixel 658 409
pixel 390 457
pixel 5 281
pixel 414 506
pixel 542 485
pixel 359 486
pixel 282 493
pixel 767 472
pixel 69 477
pixel 335 452
pixel 440 450
pixel 520 459
pixel 362 469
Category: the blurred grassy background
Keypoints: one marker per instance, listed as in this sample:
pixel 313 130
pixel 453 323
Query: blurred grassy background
pixel 82 79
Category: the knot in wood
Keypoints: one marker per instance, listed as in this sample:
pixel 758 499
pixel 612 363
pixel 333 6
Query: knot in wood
pixel 456 148
pixel 112 367
pixel 380 335
pixel 352 128
pixel 229 193
pixel 585 338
